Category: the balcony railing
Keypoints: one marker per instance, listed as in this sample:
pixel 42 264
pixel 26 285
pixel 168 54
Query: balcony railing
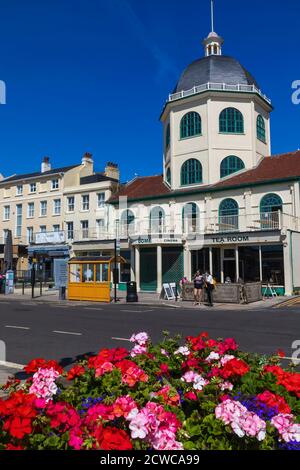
pixel 218 87
pixel 177 227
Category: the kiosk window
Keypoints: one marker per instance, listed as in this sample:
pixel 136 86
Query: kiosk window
pixel 88 273
pixel 102 272
pixel 75 273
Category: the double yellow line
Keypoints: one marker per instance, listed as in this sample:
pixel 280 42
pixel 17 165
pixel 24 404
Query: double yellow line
pixel 289 303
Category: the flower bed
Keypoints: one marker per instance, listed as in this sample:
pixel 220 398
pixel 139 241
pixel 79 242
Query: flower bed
pixel 204 395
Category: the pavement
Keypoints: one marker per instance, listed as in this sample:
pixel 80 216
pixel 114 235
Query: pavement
pixel 145 298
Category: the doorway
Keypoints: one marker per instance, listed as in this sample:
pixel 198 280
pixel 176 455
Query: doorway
pixel 229 265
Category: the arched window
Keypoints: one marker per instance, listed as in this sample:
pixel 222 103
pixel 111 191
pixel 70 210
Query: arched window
pixel 261 128
pixel 231 121
pixel 230 165
pixel 191 172
pixel 270 208
pixel 190 125
pixel 168 176
pixel 126 223
pixel 168 136
pixel 228 216
pixel 157 221
pixel 190 218
pixel 271 203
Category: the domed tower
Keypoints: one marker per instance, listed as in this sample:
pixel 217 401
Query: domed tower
pixel 216 122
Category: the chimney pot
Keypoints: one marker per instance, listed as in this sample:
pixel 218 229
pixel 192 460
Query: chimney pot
pixel 46 165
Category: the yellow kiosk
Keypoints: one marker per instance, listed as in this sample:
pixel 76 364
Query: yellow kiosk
pixel 90 279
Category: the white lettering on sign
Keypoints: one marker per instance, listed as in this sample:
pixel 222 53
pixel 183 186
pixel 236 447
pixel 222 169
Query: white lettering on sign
pixel 231 239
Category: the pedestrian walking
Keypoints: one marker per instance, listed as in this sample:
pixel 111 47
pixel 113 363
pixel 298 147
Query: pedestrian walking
pixel 198 288
pixel 209 286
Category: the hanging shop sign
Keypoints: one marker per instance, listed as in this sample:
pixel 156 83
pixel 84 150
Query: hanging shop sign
pixel 157 241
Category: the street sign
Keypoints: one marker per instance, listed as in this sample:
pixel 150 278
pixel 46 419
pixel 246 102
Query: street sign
pixel 61 272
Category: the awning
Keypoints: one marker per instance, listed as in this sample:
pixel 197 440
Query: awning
pixel 50 250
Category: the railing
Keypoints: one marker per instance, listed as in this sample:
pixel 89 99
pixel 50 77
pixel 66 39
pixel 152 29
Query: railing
pixel 178 227
pixel 218 87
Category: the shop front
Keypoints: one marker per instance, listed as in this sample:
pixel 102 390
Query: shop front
pixel 44 258
pixel 158 262
pixel 247 258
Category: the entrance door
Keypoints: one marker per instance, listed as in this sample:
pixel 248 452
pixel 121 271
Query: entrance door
pixel 172 264
pixel 229 265
pixel 148 269
pixel 229 270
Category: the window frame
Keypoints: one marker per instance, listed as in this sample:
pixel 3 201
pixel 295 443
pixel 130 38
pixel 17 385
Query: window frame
pixel 186 177
pixel 34 185
pixel 190 125
pixel 85 202
pixel 43 205
pixel 261 129
pixel 70 204
pixel 54 184
pixel 101 201
pixel 6 216
pixel 19 190
pixel 234 124
pixel 229 218
pixel 55 212
pixel 235 168
pixel 30 210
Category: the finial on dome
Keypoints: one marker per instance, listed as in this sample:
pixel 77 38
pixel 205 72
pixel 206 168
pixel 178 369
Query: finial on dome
pixel 213 43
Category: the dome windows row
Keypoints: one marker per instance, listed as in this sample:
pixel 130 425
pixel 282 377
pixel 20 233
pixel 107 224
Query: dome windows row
pixel 231 121
pixel 191 171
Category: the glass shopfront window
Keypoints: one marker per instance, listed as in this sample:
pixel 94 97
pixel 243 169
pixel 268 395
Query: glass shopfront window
pixel 102 272
pixel 88 273
pixel 249 263
pixel 75 275
pixel 273 265
pixel 200 261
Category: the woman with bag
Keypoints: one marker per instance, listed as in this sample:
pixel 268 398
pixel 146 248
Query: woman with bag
pixel 198 288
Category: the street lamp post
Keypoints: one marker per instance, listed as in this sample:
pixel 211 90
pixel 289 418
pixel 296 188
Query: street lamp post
pixel 116 256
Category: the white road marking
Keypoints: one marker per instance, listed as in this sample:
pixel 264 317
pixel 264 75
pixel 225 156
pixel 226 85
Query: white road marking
pixel 92 308
pixel 296 361
pixel 136 311
pixel 67 333
pixel 121 339
pixel 18 327
pixel 12 365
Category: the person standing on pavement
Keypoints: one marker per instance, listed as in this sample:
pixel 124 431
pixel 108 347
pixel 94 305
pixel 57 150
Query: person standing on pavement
pixel 198 288
pixel 209 285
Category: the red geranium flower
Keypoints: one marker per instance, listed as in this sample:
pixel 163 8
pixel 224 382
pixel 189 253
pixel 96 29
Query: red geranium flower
pixel 76 371
pixel 274 401
pixel 40 363
pixel 114 439
pixel 234 367
pixel 18 427
pixel 12 447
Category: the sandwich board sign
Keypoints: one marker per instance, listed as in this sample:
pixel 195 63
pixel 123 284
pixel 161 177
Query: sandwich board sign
pixel 168 291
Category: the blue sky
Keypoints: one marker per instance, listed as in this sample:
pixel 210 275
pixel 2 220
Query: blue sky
pixel 93 75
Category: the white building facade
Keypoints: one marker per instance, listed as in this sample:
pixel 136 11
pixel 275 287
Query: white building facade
pixel 223 204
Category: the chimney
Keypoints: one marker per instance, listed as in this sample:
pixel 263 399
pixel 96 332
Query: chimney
pixel 112 171
pixel 87 158
pixel 46 165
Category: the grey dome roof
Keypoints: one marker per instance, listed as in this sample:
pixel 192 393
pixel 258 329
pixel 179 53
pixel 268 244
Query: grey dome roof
pixel 214 69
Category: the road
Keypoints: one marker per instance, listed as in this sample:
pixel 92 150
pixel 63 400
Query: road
pixel 65 331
